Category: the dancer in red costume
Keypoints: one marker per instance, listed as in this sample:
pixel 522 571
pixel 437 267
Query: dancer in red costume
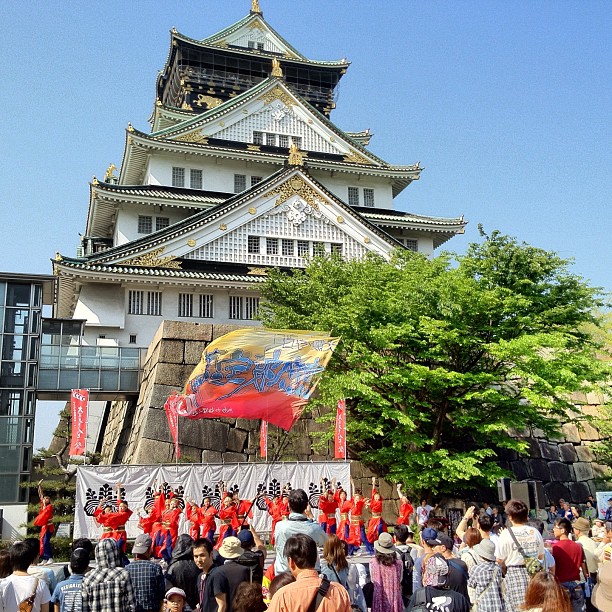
pixel 113 523
pixel 376 525
pixel 405 509
pixel 193 515
pixel 207 519
pixel 345 506
pixel 170 522
pixel 328 504
pixel 244 510
pixel 357 535
pixel 44 520
pixel 228 517
pixel 276 509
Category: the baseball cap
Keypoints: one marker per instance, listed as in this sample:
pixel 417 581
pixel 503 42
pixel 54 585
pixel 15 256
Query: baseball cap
pixel 246 538
pixel 176 591
pixel 442 540
pixel 142 543
pixel 429 534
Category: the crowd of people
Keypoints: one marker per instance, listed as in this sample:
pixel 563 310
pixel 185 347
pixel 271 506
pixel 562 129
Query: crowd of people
pixel 497 559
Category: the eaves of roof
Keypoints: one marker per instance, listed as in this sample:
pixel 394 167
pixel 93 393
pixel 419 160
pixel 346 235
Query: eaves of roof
pixel 383 214
pixel 165 192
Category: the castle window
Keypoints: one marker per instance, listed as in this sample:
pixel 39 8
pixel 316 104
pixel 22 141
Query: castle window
pixel 255 180
pixel 368 197
pixel 154 303
pixel 185 305
pixel 297 141
pixel 178 177
pixel 287 247
pixel 318 248
pixel 132 338
pixel 353 196
pixel 272 246
pixel 239 182
pixel 136 302
pixel 258 138
pixel 336 247
pixel 206 306
pixel 242 307
pixel 195 179
pixel 283 141
pixel 412 245
pixel 254 245
pixel 161 223
pixel 302 248
pixel 145 224
pixel 271 140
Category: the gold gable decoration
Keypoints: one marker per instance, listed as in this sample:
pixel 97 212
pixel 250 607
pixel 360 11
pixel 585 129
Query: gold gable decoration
pixel 296 157
pixel 296 185
pixel 355 158
pixel 209 101
pixel 153 260
pixel 196 137
pixel 278 93
pixel 277 71
pixel 255 8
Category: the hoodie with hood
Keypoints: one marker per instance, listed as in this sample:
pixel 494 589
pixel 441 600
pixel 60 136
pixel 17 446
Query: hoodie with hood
pixel 182 571
pixel 108 587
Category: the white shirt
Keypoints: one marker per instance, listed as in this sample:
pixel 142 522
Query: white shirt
pixel 528 537
pixel 15 589
pixel 422 513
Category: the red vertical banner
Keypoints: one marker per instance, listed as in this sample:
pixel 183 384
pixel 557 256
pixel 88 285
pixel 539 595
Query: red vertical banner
pixel 172 415
pixel 340 437
pixel 79 402
pixel 263 439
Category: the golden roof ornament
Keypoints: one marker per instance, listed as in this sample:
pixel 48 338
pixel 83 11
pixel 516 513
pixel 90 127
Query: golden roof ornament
pixel 94 181
pixel 296 157
pixel 109 174
pixel 255 8
pixel 130 127
pixel 277 71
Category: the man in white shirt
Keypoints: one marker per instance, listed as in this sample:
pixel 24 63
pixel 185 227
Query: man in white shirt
pixel 422 513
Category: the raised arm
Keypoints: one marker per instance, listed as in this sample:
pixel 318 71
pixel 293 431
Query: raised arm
pixel 463 525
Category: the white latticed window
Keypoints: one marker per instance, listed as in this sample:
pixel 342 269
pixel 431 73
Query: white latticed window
pixel 287 247
pixel 271 140
pixel 161 223
pixel 353 196
pixel 336 248
pixel 206 306
pixel 242 307
pixel 154 303
pixel 255 180
pixel 302 247
pixel 185 305
pixel 195 179
pixel 254 244
pixel 239 182
pixel 136 302
pixel 318 248
pixel 297 141
pixel 258 138
pixel 283 141
pixel 272 246
pixel 178 177
pixel 145 224
pixel 412 245
pixel 368 197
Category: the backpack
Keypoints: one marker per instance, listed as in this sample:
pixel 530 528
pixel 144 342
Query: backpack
pixel 252 560
pixel 408 565
pixel 420 601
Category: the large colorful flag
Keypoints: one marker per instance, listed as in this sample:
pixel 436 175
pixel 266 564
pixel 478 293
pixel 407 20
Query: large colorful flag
pixel 263 439
pixel 171 408
pixel 340 437
pixel 257 373
pixel 79 403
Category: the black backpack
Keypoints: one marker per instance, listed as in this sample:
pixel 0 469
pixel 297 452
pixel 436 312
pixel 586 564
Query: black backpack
pixel 408 564
pixel 251 559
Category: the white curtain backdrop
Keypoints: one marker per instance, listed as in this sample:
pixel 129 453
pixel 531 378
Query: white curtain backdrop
pixel 188 482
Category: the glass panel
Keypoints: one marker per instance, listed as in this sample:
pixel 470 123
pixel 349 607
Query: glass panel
pixel 69 379
pixel 34 344
pixel 25 459
pixel 89 379
pixel 18 295
pixel 37 301
pixel 12 374
pixel 13 347
pixel 35 326
pixel 31 375
pixel 23 492
pixel 2 294
pixel 16 320
pixel 10 402
pixel 130 358
pixel 129 380
pixel 51 332
pixel 30 403
pixel 9 486
pixel 109 380
pixel 47 379
pixel 28 431
pixel 10 430
pixel 49 356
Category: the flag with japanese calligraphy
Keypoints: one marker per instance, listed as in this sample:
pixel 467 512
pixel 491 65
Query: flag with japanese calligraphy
pixel 257 373
pixel 340 437
pixel 79 403
pixel 172 415
pixel 263 439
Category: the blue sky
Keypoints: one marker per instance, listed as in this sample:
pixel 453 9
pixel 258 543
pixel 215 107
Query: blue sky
pixel 506 104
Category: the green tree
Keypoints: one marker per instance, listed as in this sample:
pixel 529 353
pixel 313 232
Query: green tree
pixel 441 357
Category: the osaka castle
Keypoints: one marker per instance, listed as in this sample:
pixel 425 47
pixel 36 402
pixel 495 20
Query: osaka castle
pixel 242 170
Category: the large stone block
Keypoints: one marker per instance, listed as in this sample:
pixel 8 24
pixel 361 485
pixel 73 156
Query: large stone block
pixel 601 471
pixel 209 456
pixel 539 470
pixel 571 433
pixel 221 330
pixel 159 395
pixel 568 452
pixel 533 449
pixel 234 457
pixel 155 427
pixel 550 451
pixel 559 471
pixel 236 440
pixel 584 471
pixel 153 451
pixel 213 435
pixel 519 468
pixel 169 374
pixel 580 491
pixel 193 351
pixel 171 351
pixel 181 330
pixel 585 453
pixel 250 424
pixel 588 432
pixel 555 491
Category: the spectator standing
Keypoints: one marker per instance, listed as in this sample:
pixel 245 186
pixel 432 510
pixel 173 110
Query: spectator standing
pixel 509 557
pixel 254 555
pixel 235 573
pixel 602 593
pixel 213 587
pixel 570 559
pixel 598 530
pixel 19 586
pixel 182 572
pixel 485 580
pixel 549 560
pixel 35 569
pixel 590 512
pixel 301 554
pixel 297 523
pixel 176 601
pixel 67 594
pixel 108 587
pixel 428 534
pixel 386 574
pixel 422 512
pixel 545 594
pixel 457 569
pixel 333 564
pixel 581 528
pixel 146 575
pixel 249 598
pixel 409 553
pixel 5 563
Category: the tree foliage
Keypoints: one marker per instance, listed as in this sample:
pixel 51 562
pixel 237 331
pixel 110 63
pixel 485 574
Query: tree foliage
pixel 441 358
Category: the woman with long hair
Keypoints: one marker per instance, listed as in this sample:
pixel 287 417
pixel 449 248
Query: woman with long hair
pixel 386 574
pixel 545 594
pixel 334 565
